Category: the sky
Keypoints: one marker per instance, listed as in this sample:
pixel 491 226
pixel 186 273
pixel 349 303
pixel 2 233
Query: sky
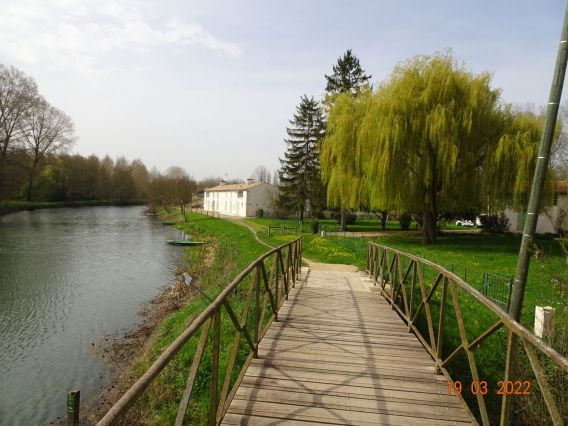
pixel 211 85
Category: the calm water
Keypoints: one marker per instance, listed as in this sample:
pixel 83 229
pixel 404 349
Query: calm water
pixel 68 277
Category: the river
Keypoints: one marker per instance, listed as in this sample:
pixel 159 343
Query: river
pixel 69 277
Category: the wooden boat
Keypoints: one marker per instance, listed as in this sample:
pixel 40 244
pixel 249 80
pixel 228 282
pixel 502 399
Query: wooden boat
pixel 185 242
pixel 169 222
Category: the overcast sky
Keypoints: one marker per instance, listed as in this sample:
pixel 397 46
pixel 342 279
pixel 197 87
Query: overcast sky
pixel 210 85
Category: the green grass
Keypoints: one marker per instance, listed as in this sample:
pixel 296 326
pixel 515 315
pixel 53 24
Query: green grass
pixel 235 248
pixel 468 255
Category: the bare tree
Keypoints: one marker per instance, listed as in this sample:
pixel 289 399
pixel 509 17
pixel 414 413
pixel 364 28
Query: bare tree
pixel 261 174
pixel 180 187
pixel 276 178
pixel 18 94
pixel 46 131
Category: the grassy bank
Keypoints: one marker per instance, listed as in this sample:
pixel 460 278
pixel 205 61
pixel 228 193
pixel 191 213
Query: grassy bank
pixel 229 249
pixel 16 206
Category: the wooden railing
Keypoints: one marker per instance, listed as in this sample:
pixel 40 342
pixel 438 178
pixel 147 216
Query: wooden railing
pixel 264 294
pixel 453 319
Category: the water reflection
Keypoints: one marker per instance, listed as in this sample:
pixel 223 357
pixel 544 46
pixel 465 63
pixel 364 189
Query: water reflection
pixel 67 278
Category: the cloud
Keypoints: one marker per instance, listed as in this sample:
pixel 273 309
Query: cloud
pixel 77 34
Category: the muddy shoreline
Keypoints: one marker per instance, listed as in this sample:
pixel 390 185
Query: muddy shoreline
pixel 121 353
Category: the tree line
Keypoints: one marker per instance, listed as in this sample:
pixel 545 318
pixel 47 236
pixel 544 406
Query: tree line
pixel 432 139
pixel 31 130
pixel 35 163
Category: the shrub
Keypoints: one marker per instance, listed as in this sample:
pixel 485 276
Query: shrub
pixel 404 221
pixel 494 223
pixel 315 227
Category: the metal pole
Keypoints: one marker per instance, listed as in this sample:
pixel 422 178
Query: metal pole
pixel 541 168
pixel 518 292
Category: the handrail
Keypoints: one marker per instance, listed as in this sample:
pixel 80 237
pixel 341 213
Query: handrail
pixel 285 268
pixel 398 285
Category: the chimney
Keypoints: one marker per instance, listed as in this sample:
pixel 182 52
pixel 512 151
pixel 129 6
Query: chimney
pixel 250 181
pixel 223 183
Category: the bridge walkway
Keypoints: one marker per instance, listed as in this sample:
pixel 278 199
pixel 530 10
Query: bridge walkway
pixel 340 355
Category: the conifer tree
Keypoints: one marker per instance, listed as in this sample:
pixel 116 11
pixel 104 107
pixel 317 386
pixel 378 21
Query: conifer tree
pixel 347 77
pixel 300 175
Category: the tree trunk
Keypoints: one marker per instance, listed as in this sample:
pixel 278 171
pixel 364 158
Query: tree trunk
pixel 384 217
pixel 428 228
pixel 31 182
pixel 343 226
pixel 301 213
pixel 2 167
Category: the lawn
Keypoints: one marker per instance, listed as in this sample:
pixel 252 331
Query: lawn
pixel 468 255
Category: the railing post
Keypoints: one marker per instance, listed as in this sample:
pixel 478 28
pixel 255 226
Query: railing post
pixel 257 322
pixel 277 278
pixel 73 406
pixel 441 325
pixel 509 361
pixel 215 366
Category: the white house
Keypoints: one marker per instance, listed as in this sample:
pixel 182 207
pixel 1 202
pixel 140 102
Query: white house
pixel 240 199
pixel 552 219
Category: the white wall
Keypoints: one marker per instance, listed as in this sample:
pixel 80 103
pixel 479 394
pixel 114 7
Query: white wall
pixel 229 203
pixel 226 202
pixel 545 223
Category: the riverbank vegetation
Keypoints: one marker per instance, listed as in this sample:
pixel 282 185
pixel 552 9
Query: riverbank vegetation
pixel 230 248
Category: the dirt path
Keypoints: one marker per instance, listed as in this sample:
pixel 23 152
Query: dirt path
pixel 316 266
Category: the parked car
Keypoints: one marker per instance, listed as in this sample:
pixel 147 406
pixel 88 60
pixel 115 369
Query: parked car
pixel 465 222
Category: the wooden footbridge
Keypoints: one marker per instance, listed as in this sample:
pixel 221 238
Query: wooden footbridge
pixel 335 346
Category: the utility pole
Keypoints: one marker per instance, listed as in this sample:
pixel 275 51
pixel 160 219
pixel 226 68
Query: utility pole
pixel 541 169
pixel 517 296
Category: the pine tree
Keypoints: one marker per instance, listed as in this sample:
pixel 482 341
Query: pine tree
pixel 347 77
pixel 300 175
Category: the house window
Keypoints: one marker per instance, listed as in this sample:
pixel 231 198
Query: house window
pixel 555 199
pixel 240 194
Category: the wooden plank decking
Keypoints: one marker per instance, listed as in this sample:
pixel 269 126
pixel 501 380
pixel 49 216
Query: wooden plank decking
pixel 340 355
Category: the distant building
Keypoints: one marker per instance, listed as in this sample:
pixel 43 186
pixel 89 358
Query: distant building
pixel 240 199
pixel 552 219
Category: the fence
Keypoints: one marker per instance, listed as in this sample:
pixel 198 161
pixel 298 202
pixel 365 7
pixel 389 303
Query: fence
pixel 497 288
pixel 264 294
pixel 206 212
pixel 281 229
pixel 473 342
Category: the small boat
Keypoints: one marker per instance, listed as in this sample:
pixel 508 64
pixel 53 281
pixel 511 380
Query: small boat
pixel 185 242
pixel 169 222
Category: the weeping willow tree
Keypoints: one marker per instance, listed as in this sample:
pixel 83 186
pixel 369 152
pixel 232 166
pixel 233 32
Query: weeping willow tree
pixel 422 141
pixel 342 164
pixel 511 169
